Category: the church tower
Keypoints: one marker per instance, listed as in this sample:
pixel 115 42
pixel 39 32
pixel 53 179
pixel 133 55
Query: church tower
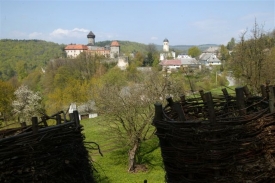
pixel 91 39
pixel 165 45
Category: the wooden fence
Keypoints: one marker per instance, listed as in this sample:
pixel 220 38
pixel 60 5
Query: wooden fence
pixel 218 139
pixel 39 153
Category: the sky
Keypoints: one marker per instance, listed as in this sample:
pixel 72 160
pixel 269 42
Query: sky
pixel 182 22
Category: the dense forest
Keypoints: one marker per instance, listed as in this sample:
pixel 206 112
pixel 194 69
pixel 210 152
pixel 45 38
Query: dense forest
pixel 130 47
pixel 21 57
pixel 126 46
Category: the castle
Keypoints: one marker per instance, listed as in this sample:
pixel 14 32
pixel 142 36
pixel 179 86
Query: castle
pixel 166 53
pixel 109 51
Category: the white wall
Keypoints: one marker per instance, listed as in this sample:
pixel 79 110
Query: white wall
pixel 73 53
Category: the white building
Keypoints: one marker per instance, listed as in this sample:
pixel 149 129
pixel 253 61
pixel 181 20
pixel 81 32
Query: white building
pixel 166 53
pixel 209 59
pixel 73 50
pixel 165 45
pixel 178 63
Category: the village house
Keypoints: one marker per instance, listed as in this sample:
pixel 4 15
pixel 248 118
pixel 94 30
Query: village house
pixel 180 63
pixel 209 57
pixel 168 60
pixel 182 60
pixel 85 110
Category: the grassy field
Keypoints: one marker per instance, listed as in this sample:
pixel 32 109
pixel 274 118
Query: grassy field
pixel 112 166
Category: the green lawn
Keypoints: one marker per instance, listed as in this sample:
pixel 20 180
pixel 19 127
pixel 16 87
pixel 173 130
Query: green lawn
pixel 112 166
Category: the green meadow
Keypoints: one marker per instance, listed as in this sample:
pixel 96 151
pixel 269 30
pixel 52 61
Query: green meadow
pixel 112 166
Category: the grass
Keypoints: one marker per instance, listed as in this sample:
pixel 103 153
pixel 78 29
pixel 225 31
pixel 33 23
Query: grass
pixel 218 90
pixel 112 166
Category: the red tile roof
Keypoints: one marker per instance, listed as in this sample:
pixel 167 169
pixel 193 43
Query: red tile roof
pixel 170 62
pixel 76 47
pixel 114 43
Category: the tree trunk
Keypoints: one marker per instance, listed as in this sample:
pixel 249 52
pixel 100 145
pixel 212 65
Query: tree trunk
pixel 132 156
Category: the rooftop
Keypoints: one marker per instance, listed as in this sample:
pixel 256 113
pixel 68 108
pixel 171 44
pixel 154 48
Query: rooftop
pixel 165 40
pixel 91 35
pixel 114 43
pixel 170 62
pixel 76 47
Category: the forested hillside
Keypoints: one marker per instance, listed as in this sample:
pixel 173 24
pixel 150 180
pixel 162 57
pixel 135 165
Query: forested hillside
pixel 127 46
pixel 20 57
pixel 184 48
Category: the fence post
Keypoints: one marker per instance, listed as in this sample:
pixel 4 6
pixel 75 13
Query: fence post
pixel 240 100
pixel 178 108
pixel 263 91
pixel 76 118
pixel 271 98
pixel 182 99
pixel 58 119
pixel 158 111
pixel 71 111
pixel 23 124
pixel 202 96
pixel 44 121
pixel 34 125
pixel 170 101
pixel 212 118
pixel 210 106
pixel 225 92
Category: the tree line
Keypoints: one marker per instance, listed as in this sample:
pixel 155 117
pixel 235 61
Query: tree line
pixel 20 57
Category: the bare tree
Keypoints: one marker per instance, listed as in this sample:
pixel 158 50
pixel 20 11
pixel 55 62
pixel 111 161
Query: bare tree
pixel 249 59
pixel 129 110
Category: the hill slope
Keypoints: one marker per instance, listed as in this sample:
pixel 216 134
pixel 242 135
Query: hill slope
pixel 127 46
pixel 26 55
pixel 23 56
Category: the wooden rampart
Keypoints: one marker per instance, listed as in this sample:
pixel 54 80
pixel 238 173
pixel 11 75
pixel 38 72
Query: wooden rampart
pixel 39 153
pixel 218 139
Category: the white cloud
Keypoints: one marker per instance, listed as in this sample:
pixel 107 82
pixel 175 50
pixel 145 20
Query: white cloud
pixel 80 30
pixel 73 33
pixel 154 38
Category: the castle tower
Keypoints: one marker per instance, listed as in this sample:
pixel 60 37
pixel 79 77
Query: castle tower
pixel 91 39
pixel 165 45
pixel 115 48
